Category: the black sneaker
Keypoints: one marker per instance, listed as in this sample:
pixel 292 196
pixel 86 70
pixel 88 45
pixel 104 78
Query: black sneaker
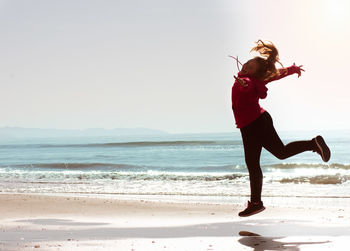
pixel 252 208
pixel 322 148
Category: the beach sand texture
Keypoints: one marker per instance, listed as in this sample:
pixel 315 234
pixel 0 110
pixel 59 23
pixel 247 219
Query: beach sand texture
pixel 43 222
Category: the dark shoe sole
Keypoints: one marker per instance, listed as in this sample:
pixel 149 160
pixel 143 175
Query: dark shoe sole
pixel 247 233
pixel 325 152
pixel 252 213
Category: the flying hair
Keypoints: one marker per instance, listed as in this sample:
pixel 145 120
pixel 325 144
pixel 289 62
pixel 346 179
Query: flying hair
pixel 269 57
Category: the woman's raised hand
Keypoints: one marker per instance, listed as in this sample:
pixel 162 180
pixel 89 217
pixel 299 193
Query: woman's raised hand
pixel 242 82
pixel 299 69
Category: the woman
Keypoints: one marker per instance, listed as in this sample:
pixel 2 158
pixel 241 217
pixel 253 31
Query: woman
pixel 256 124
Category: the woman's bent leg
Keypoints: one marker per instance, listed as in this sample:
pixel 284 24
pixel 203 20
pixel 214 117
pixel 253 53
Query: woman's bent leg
pixel 273 143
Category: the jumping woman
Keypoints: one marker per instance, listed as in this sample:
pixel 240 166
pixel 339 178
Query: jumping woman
pixel 256 124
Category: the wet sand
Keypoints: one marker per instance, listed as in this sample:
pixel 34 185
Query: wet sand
pixel 43 222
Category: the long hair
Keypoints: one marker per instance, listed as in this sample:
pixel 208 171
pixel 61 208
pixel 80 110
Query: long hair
pixel 269 57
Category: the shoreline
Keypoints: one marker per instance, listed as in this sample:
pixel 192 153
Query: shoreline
pixel 47 222
pixel 293 201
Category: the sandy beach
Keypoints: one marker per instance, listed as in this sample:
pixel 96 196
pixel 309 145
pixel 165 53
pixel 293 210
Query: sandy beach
pixel 43 222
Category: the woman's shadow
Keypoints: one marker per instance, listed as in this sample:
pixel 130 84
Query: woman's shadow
pixel 261 243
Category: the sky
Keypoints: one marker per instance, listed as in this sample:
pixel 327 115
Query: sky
pixel 163 64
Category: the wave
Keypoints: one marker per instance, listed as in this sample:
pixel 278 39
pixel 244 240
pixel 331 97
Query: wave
pixel 65 166
pixel 128 173
pixel 106 175
pixel 318 180
pixel 172 176
pixel 210 168
pixel 74 177
pixel 126 167
pixel 308 165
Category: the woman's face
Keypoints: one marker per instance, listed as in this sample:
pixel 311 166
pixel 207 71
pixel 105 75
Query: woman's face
pixel 250 67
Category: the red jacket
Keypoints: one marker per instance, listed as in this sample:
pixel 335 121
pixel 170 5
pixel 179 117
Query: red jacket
pixel 245 100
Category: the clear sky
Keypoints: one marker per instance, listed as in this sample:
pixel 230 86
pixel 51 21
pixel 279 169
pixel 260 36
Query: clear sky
pixel 163 64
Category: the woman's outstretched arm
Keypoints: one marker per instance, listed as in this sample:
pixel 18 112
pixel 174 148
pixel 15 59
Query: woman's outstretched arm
pixel 284 72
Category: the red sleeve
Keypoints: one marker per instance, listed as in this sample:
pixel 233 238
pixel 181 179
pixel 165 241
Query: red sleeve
pixel 261 89
pixel 284 72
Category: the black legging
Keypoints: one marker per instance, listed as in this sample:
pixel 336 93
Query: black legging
pixel 261 133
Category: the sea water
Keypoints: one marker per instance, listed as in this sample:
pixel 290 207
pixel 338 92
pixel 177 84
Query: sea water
pixel 207 168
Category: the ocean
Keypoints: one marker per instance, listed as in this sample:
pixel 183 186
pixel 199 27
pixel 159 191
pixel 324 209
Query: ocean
pixel 203 168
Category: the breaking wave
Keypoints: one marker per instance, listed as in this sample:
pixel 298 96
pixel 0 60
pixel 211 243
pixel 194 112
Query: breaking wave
pixel 308 165
pixel 319 179
pixel 73 166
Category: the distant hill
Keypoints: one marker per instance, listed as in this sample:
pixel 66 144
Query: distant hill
pixel 19 132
